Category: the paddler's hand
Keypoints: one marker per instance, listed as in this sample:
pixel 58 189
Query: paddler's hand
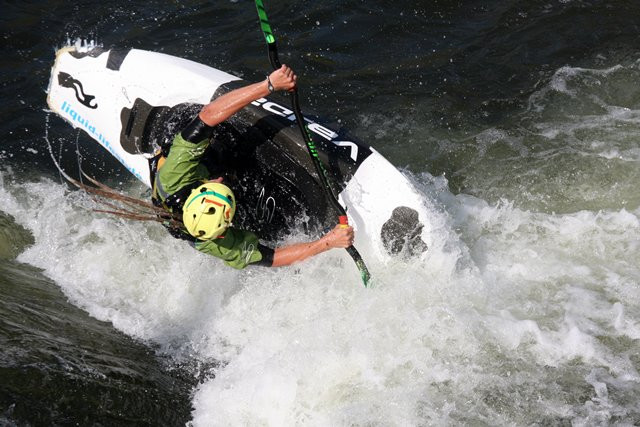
pixel 339 237
pixel 283 79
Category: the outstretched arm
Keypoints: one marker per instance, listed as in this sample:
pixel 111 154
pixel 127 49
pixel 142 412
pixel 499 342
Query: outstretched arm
pixel 339 237
pixel 223 107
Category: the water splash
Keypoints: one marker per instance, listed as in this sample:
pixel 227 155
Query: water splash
pixel 510 304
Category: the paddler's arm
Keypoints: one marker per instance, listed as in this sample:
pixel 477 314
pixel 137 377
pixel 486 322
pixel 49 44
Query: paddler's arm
pixel 230 103
pixel 339 237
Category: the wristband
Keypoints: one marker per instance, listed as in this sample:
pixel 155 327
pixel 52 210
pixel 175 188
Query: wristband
pixel 270 86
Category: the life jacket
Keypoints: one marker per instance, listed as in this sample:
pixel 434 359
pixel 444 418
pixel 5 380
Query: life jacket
pixel 172 203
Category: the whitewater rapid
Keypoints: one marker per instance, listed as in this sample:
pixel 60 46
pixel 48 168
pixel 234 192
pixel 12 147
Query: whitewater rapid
pixel 524 310
pixel 512 311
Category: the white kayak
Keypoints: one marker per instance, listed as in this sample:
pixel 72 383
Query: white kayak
pixel 132 102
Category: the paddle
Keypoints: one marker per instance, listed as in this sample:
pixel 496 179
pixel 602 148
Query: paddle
pixel 306 135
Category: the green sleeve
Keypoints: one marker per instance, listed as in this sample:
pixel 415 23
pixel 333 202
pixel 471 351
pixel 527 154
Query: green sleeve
pixel 183 166
pixel 238 248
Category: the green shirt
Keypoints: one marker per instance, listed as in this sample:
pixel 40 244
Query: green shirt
pixel 238 248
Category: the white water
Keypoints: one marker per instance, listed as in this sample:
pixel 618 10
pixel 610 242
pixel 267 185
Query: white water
pixel 575 147
pixel 513 317
pixel 517 317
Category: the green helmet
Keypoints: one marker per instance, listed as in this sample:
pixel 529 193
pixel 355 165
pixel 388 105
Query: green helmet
pixel 208 210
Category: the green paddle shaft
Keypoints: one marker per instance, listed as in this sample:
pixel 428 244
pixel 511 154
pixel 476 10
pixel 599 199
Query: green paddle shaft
pixel 306 135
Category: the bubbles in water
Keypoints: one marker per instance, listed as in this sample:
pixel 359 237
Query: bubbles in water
pixel 506 305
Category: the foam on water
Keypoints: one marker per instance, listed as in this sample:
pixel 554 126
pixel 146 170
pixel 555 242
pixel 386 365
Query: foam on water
pixel 513 317
pixel 574 146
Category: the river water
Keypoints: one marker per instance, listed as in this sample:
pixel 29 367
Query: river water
pixel 518 122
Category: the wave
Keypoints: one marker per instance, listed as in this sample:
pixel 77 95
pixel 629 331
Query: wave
pixel 509 304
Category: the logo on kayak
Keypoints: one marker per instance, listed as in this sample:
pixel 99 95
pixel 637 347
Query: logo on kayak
pixel 316 128
pixel 265 206
pixel 67 111
pixel 65 80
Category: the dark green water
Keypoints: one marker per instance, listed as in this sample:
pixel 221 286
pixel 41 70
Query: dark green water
pixel 517 120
